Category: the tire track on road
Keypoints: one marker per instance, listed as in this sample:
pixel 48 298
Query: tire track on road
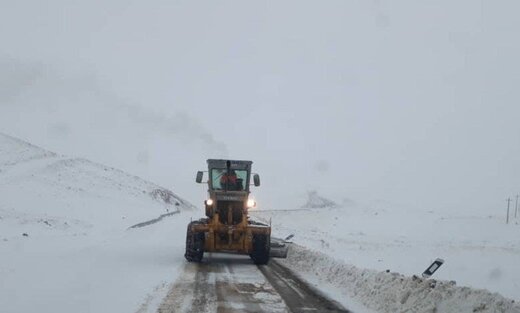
pixel 298 294
pixel 222 284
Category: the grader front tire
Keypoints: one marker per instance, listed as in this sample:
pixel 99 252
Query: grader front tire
pixel 261 247
pixel 194 246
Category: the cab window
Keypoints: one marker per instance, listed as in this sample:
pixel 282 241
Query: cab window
pixel 234 180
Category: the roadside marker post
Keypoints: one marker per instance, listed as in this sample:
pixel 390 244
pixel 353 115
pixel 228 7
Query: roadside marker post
pixel 432 268
pixel 516 205
pixel 508 203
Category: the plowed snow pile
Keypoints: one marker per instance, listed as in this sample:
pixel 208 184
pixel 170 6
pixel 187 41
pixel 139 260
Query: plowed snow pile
pixel 64 237
pixel 393 292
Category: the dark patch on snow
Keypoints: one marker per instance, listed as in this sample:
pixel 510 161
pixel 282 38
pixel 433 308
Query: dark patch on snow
pixel 315 201
pixel 495 274
pixel 168 197
pixel 153 221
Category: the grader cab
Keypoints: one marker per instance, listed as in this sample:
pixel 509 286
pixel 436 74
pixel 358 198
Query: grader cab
pixel 227 227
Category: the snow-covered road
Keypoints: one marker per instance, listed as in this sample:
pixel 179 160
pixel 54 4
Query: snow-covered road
pixel 230 283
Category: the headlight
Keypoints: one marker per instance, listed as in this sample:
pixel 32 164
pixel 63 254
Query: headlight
pixel 251 203
pixel 209 202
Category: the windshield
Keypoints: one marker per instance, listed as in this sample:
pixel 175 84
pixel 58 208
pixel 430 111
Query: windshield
pixel 234 180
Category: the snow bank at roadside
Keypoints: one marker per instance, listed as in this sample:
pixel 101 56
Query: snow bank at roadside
pixel 392 292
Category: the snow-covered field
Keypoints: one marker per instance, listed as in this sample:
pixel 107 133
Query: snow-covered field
pixel 67 244
pixel 65 240
pixel 479 251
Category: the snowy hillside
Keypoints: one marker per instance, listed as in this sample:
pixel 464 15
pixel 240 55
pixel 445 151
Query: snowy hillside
pixel 34 179
pixel 361 242
pixel 65 240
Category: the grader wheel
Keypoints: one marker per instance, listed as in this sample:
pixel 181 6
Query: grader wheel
pixel 194 244
pixel 261 246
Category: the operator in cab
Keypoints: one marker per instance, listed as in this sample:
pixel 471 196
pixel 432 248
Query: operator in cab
pixel 230 181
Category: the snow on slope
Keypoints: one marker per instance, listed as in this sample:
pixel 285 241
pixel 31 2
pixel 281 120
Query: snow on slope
pixel 30 173
pixel 65 240
pixel 480 251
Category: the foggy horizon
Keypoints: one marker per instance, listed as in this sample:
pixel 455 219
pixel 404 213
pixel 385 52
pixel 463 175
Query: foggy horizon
pixel 412 103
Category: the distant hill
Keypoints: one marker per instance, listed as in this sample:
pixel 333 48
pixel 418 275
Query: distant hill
pixel 37 183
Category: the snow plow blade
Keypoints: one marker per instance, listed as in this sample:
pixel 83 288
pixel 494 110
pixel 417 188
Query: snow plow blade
pixel 279 248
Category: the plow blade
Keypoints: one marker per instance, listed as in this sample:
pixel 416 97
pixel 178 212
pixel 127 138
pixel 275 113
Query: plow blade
pixel 279 248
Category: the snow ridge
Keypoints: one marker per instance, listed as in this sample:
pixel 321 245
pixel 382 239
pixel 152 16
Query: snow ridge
pixel 22 163
pixel 14 151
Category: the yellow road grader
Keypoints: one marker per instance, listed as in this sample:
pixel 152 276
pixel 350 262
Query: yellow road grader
pixel 227 227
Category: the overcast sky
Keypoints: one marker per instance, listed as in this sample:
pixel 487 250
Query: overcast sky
pixel 412 102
